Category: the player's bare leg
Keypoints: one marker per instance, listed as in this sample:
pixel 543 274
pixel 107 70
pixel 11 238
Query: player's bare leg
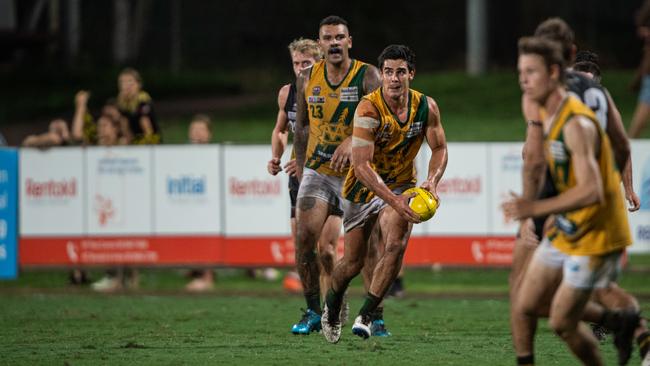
pixel 375 251
pixel 311 214
pixel 566 311
pixel 327 245
pixel 539 282
pixel 396 231
pixel 349 266
pixel 616 298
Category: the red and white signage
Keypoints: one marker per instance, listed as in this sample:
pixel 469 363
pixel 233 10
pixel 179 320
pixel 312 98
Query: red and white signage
pixel 257 203
pixel 217 205
pixel 51 191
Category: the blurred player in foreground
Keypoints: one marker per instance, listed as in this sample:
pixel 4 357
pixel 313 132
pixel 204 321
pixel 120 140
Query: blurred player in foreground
pixel 583 249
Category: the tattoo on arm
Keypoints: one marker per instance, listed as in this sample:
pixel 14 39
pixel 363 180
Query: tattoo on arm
pixel 301 135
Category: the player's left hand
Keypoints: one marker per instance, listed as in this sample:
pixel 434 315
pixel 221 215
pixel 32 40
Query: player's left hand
pixel 290 167
pixel 342 155
pixel 431 188
pixel 633 200
pixel 517 207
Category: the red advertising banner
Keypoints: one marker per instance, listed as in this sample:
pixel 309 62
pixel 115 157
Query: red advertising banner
pixel 249 251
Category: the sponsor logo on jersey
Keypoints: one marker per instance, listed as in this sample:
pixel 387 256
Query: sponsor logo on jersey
pixel 415 130
pixel 316 90
pixel 334 95
pixel 558 152
pixel 350 94
pixel 315 99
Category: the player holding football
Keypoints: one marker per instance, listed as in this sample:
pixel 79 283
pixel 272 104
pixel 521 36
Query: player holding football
pixel 390 125
pixel 328 96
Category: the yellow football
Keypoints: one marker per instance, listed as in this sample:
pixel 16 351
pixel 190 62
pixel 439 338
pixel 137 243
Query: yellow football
pixel 423 203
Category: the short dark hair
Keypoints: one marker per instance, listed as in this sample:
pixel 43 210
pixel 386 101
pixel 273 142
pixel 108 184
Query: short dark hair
pixel 333 20
pixel 556 29
pixel 397 52
pixel 587 56
pixel 549 50
pixel 587 61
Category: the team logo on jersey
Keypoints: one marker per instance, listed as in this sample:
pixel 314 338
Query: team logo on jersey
pixel 316 90
pixel 315 99
pixel 350 94
pixel 416 129
pixel 557 151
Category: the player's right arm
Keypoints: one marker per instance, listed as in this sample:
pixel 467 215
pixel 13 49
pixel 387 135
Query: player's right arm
pixel 280 133
pixel 366 121
pixel 622 151
pixel 301 135
pixel 533 153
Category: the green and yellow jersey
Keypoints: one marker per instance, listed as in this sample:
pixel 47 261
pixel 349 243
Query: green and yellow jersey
pixel 396 146
pixel 598 228
pixel 331 109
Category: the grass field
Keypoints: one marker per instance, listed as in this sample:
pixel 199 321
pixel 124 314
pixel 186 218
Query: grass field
pixel 449 317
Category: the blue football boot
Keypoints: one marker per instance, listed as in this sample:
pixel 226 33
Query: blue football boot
pixel 378 328
pixel 310 322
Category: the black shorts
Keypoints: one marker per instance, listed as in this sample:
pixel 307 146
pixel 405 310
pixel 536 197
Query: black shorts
pixel 548 190
pixel 294 184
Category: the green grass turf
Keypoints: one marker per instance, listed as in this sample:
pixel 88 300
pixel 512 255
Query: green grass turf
pixel 79 329
pixel 449 317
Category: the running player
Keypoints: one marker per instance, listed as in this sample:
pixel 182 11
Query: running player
pixel 390 125
pixel 583 248
pixel 304 53
pixel 328 96
pixel 599 100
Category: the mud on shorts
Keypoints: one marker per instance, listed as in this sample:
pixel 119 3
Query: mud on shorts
pixel 294 184
pixel 581 271
pixel 323 187
pixel 358 214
